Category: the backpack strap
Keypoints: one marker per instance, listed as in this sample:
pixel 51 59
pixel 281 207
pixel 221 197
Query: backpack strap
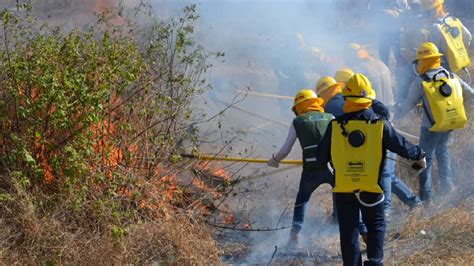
pixel 444 71
pixel 425 78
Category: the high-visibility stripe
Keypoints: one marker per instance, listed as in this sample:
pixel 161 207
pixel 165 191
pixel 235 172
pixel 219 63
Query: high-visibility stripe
pixel 310 147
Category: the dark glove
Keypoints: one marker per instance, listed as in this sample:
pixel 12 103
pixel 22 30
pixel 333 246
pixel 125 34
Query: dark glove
pixel 420 164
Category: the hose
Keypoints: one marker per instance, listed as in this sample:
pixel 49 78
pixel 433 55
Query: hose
pixel 208 157
pixel 468 74
pixel 407 134
pixel 397 160
pixel 264 94
pixel 260 116
pixel 369 205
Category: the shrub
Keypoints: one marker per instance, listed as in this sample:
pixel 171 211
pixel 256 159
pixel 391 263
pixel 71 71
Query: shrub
pixel 89 121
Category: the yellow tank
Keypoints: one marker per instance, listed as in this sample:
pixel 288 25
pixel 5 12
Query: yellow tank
pixel 356 153
pixel 446 102
pixel 457 55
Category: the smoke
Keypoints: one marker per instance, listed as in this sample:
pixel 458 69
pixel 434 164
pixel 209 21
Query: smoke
pixel 276 47
pixel 280 47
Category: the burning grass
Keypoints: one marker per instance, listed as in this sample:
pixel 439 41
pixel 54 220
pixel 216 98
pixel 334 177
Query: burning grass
pixel 88 166
pixel 165 226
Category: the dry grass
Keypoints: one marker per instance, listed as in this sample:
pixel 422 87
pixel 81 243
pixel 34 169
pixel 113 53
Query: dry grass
pixel 444 237
pixel 444 233
pixel 29 235
pixel 176 241
pixel 180 241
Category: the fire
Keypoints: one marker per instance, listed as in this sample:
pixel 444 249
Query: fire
pixel 221 172
pixel 229 219
pixel 203 187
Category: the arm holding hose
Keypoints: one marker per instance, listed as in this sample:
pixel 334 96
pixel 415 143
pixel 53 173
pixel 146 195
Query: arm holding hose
pixel 398 144
pixel 284 150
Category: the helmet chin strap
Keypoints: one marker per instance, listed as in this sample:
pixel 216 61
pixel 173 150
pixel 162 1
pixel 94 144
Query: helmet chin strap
pixel 414 65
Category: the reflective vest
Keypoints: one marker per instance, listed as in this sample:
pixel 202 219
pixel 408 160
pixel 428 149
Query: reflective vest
pixel 356 152
pixel 445 99
pixel 457 55
pixel 310 128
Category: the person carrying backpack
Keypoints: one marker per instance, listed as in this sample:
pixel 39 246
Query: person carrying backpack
pixel 308 127
pixel 449 34
pixel 441 92
pixel 356 143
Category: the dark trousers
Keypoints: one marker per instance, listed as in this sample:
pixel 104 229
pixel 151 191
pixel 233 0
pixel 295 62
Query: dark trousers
pixel 362 227
pixel 348 209
pixel 310 181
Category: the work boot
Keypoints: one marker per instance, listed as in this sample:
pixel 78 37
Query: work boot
pixel 427 204
pixel 370 263
pixel 294 236
pixel 416 204
pixel 364 238
pixel 293 242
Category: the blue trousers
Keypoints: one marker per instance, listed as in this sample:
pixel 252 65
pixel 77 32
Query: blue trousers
pixel 392 183
pixel 349 209
pixel 435 143
pixel 310 181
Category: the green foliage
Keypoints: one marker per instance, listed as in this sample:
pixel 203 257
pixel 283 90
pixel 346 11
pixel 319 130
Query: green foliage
pixel 84 113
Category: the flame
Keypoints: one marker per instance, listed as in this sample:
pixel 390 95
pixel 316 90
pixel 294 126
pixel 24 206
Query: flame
pixel 229 218
pixel 206 166
pixel 202 186
pixel 221 172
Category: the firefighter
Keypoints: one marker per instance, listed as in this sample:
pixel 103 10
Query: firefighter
pixel 388 17
pixel 356 142
pixel 331 92
pixel 449 34
pixel 413 33
pixel 443 111
pixel 308 126
pixel 378 73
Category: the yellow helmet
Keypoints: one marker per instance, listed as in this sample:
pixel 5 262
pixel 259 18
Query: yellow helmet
pixel 427 50
pixel 430 4
pixel 358 89
pixel 343 75
pixel 304 95
pixel 324 83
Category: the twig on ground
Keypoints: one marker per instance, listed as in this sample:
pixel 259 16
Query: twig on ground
pixel 281 216
pixel 235 228
pixel 273 255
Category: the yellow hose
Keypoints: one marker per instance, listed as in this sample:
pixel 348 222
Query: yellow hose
pixel 238 159
pixel 265 95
